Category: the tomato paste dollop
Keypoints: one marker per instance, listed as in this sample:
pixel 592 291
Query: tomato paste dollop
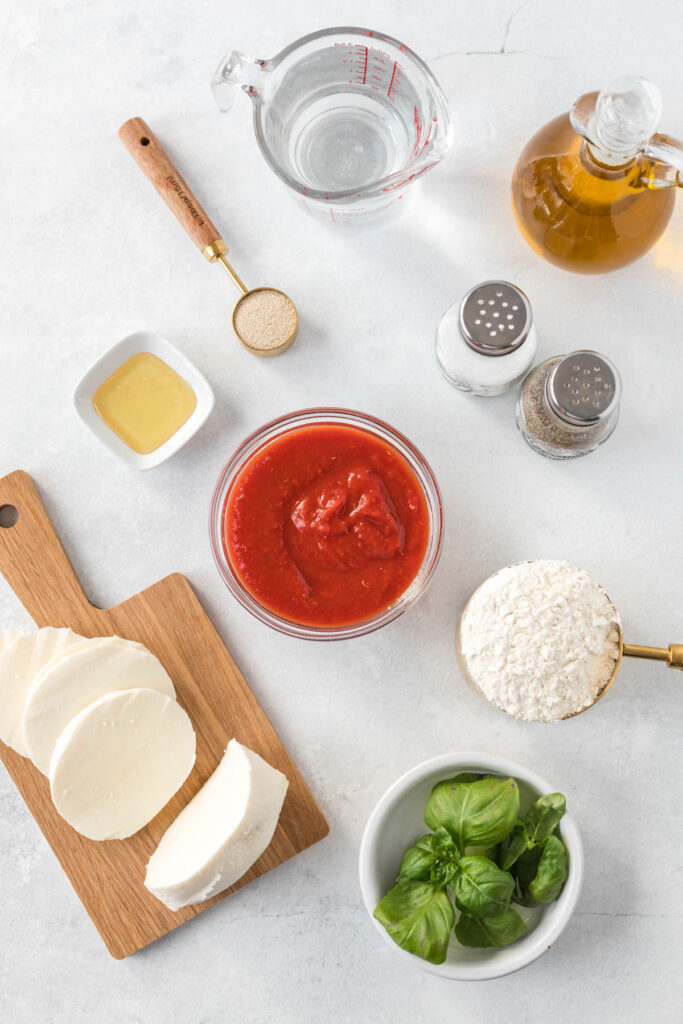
pixel 327 525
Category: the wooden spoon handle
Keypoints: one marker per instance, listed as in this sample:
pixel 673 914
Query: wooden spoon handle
pixel 152 159
pixel 33 561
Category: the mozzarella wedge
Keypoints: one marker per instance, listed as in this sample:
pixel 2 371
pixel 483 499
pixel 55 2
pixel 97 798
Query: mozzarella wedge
pixel 223 830
pixel 80 675
pixel 119 761
pixel 20 663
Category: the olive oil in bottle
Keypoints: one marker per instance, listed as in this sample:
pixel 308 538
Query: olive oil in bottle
pixel 594 189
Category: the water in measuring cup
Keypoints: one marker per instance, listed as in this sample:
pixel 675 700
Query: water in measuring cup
pixel 347 140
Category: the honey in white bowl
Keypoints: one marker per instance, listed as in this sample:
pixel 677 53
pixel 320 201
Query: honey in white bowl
pixel 145 402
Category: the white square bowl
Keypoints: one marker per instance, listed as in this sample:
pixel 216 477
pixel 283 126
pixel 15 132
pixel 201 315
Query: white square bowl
pixel 142 341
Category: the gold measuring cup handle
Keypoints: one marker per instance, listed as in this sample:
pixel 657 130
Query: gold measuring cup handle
pixel 672 655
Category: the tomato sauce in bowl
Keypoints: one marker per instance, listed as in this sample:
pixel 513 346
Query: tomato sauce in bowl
pixel 326 524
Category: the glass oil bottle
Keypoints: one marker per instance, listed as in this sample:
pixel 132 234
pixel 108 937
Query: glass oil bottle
pixel 594 189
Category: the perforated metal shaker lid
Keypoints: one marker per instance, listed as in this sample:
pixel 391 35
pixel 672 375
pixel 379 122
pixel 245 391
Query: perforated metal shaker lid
pixel 495 318
pixel 583 388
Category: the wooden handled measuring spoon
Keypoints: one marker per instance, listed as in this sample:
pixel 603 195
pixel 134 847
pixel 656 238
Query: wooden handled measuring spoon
pixel 264 319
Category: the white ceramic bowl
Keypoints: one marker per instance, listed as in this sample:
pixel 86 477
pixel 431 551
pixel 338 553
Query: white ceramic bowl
pixel 142 341
pixel 397 822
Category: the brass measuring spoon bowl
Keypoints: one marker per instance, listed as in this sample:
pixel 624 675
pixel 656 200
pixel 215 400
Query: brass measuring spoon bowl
pixel 672 655
pixel 268 340
pixel 273 329
pixel 264 319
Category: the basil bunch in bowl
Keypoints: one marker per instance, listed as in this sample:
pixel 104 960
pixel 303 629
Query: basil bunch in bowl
pixel 471 866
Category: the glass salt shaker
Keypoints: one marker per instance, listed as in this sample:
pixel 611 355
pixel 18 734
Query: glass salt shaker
pixel 569 405
pixel 487 342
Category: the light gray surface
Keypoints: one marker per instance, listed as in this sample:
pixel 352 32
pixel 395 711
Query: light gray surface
pixel 89 254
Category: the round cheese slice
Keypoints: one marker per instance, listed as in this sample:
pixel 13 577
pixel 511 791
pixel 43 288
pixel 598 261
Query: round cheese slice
pixel 8 636
pixel 223 830
pixel 81 675
pixel 84 643
pixel 20 663
pixel 119 761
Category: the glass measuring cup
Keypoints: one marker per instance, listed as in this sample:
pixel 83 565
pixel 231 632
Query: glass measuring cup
pixel 346 117
pixel 672 655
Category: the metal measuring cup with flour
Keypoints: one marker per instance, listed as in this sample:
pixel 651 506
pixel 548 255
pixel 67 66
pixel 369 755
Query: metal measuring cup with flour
pixel 542 641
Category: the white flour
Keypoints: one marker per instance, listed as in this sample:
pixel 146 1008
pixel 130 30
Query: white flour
pixel 540 639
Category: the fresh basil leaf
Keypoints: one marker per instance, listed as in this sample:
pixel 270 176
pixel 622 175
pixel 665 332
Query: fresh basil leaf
pixel 481 888
pixel 541 873
pixel 490 931
pixel 477 813
pixel 419 917
pixel 552 871
pixel 469 777
pixel 434 858
pixel 417 863
pixel 443 872
pixel 512 847
pixel 543 817
pixel 444 844
pixel 525 869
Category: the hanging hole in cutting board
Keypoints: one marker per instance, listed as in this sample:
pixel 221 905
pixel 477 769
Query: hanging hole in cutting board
pixel 9 516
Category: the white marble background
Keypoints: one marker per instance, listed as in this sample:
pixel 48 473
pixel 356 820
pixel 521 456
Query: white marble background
pixel 89 254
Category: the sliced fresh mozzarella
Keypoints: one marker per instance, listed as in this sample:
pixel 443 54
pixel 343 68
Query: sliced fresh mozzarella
pixel 119 761
pixel 8 636
pixel 223 830
pixel 85 642
pixel 20 663
pixel 81 675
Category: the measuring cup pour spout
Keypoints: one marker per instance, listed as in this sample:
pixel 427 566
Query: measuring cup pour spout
pixel 237 72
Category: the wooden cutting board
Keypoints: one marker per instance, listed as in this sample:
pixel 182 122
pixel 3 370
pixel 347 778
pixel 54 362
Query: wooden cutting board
pixel 168 619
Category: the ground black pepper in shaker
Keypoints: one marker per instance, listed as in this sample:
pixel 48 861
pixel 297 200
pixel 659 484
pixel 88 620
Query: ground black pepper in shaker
pixel 569 405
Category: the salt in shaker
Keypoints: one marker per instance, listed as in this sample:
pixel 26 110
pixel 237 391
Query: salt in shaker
pixel 569 405
pixel 487 342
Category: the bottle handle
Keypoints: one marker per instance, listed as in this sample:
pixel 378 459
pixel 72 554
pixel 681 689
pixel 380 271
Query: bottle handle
pixel 668 152
pixel 237 72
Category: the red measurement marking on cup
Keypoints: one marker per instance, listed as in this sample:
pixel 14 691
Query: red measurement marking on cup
pixel 360 65
pixel 394 79
pixel 429 134
pixel 357 60
pixel 370 66
pixel 418 130
pixel 377 72
pixel 406 181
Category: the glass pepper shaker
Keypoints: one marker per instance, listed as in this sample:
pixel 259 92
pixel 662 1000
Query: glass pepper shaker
pixel 569 405
pixel 487 342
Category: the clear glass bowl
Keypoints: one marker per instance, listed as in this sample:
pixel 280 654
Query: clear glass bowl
pixel 259 440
